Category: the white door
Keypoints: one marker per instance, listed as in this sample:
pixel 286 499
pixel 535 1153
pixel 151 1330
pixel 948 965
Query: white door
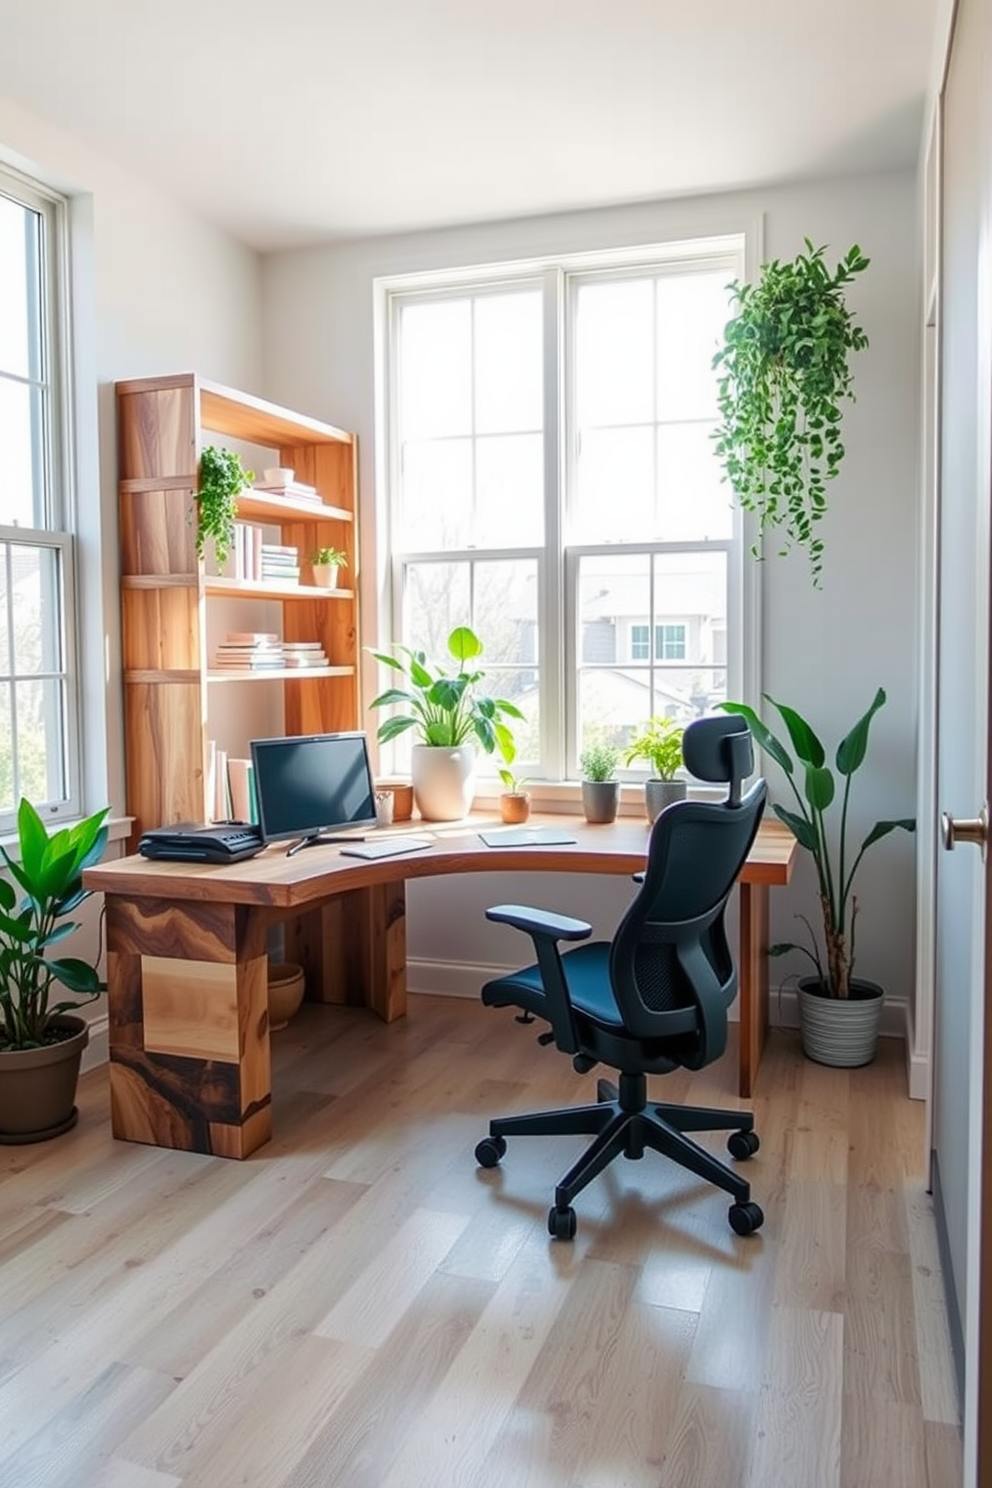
pixel 958 1108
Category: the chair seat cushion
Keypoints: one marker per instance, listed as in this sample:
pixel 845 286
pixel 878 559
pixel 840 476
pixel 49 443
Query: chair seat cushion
pixel 587 976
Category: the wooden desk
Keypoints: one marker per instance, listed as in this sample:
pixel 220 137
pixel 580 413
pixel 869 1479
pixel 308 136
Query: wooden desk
pixel 187 961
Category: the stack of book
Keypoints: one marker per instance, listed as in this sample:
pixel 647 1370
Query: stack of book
pixel 304 654
pixel 294 488
pixel 249 651
pixel 279 563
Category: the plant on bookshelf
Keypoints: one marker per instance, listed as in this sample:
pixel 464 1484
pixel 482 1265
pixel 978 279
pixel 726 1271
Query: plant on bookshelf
pixel 222 479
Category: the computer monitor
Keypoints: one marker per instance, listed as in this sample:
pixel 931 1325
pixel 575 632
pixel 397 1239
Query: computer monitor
pixel 313 786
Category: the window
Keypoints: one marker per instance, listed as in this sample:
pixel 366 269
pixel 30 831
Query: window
pixel 552 483
pixel 38 736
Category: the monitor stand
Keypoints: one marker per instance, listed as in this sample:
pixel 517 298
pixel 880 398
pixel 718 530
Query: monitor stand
pixel 314 839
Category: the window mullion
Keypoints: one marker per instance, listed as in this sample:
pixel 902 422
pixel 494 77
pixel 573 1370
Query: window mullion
pixel 555 624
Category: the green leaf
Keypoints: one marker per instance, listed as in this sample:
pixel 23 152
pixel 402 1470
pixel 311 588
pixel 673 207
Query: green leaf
pixel 763 736
pixel 464 644
pixel 819 787
pixel 852 749
pixel 804 831
pixel 804 741
pixel 883 828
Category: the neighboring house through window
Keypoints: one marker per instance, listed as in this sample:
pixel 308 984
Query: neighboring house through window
pixel 38 725
pixel 552 483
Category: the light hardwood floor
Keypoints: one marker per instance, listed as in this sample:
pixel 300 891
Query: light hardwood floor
pixel 358 1304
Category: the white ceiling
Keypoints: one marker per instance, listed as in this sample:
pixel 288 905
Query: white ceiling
pixel 293 122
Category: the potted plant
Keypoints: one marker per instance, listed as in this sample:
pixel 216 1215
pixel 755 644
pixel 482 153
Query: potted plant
pixel 514 802
pixel 42 1040
pixel 659 744
pixel 222 479
pixel 783 373
pixel 327 564
pixel 452 717
pixel 839 1013
pixel 600 788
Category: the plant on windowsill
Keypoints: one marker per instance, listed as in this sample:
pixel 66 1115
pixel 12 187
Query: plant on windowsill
pixel 659 744
pixel 839 1014
pixel 222 480
pixel 327 564
pixel 514 802
pixel 42 1040
pixel 600 789
pixel 783 373
pixel 451 717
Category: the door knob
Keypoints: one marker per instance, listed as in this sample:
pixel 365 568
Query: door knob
pixel 965 829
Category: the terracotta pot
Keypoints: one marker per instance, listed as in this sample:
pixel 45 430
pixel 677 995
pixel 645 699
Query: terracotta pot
pixel 38 1086
pixel 286 988
pixel 514 806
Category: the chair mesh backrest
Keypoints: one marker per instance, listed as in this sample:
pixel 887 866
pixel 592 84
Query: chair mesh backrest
pixel 696 851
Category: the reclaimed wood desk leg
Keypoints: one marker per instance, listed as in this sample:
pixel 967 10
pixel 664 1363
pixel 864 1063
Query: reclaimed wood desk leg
pixel 189 1028
pixel 353 949
pixel 753 982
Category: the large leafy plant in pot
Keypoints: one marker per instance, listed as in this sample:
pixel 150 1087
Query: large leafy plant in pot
pixel 39 1033
pixel 783 373
pixel 815 788
pixel 451 715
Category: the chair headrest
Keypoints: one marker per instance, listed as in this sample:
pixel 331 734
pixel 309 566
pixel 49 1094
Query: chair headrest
pixel 719 749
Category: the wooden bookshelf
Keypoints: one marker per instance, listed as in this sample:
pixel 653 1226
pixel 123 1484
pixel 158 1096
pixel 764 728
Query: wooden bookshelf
pixel 169 688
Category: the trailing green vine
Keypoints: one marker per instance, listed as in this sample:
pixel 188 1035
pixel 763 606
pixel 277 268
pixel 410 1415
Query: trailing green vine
pixel 222 479
pixel 783 374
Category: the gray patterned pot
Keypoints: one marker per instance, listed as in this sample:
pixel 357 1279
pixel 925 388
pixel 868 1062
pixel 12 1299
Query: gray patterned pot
pixel 842 1032
pixel 661 793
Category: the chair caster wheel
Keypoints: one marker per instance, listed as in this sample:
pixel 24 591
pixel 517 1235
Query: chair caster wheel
pixel 745 1218
pixel 743 1144
pixel 489 1151
pixel 562 1223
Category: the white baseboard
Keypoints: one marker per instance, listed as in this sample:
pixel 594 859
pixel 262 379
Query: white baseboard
pixel 97 1051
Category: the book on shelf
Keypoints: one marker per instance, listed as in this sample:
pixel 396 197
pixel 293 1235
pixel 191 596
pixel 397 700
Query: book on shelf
pixel 288 646
pixel 251 638
pixel 302 659
pixel 297 489
pixel 241 786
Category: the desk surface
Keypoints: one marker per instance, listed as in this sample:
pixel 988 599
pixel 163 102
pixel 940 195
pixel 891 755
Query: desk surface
pixel 271 878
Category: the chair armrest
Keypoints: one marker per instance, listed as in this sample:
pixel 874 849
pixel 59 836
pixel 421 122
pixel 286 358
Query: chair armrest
pixel 539 922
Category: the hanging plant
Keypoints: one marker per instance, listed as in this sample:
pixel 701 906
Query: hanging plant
pixel 222 479
pixel 783 375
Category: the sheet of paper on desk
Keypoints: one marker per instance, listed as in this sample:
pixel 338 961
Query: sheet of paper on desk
pixel 525 837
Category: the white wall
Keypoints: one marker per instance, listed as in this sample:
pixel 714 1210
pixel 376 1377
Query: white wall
pixel 825 653
pixel 155 290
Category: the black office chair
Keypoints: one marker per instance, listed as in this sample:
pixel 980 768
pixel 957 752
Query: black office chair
pixel 653 998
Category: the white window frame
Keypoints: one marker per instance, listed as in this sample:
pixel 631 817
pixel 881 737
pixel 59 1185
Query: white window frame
pixel 558 561
pixel 58 478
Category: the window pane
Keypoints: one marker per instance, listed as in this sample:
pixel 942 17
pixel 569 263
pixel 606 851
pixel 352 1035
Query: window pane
pixel 39 707
pixel 37 610
pixel 680 598
pixel 8 798
pixel 22 441
pixel 435 509
pixel 614 352
pixel 692 311
pixel 616 486
pixel 509 386
pixel 436 599
pixel 20 289
pixel 694 503
pixel 510 491
pixel 435 371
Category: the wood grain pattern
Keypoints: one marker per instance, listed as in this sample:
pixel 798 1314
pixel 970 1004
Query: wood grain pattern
pixel 190 1007
pixel 171 1320
pixel 347 924
pixel 163 423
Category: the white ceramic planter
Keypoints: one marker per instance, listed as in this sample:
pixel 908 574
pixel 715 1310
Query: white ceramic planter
pixel 842 1032
pixel 443 781
pixel 325 575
